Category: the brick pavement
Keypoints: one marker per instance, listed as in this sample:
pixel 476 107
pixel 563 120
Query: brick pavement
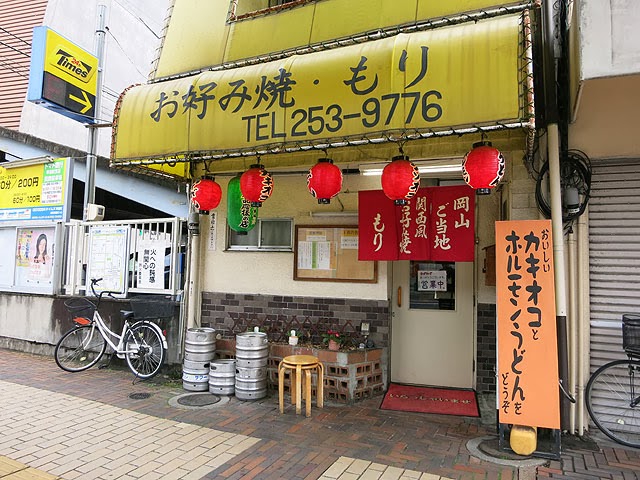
pixel 50 420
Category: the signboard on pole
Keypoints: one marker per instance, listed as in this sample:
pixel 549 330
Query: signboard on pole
pixel 63 77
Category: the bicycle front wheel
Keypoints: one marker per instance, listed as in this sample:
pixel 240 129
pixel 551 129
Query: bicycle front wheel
pixel 80 348
pixel 612 398
pixel 144 350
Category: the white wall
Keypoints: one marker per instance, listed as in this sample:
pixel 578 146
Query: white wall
pixel 131 41
pixel 609 37
pixel 488 208
pixel 606 118
pixel 272 272
pixel 517 192
pixel 521 198
pixel 605 78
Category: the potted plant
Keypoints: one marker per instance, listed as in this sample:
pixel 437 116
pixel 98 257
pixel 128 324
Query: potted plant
pixel 332 339
pixel 293 338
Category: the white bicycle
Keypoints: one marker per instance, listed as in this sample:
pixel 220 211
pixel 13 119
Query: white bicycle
pixel 142 344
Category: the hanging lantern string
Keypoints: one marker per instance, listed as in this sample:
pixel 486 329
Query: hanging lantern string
pixel 400 145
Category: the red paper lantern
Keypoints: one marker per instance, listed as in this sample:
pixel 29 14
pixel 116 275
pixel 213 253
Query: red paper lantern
pixel 483 167
pixel 206 194
pixel 256 185
pixel 400 179
pixel 324 180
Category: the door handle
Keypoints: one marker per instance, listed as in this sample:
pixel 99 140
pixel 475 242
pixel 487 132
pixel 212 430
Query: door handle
pixel 399 299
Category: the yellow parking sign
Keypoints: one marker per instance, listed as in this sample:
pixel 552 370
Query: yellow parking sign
pixel 62 75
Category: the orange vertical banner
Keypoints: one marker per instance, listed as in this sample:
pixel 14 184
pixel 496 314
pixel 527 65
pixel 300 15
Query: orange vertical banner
pixel 527 380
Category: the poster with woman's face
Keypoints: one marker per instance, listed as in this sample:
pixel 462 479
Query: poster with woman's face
pixel 35 249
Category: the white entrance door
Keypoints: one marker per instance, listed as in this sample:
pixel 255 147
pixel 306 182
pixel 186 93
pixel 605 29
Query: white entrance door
pixel 432 326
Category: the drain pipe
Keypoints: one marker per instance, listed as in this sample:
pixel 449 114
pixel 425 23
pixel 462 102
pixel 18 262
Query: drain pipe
pixel 573 316
pixel 553 153
pixel 193 300
pixel 583 315
pixel 559 262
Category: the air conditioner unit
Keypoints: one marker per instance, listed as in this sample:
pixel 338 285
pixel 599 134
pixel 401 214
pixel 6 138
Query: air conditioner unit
pixel 94 212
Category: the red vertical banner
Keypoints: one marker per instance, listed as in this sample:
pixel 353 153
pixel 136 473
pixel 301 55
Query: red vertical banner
pixel 377 226
pixel 438 223
pixel 527 338
pixel 413 221
pixel 452 225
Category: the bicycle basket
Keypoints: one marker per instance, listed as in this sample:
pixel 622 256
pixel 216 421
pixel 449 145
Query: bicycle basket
pixel 631 333
pixel 81 310
pixel 146 308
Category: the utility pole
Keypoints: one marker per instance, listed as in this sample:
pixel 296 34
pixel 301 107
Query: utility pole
pixel 91 163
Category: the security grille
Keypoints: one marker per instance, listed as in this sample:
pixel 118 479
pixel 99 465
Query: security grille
pixel 614 254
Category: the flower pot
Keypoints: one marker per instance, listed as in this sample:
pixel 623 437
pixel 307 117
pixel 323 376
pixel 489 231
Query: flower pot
pixel 333 345
pixel 293 340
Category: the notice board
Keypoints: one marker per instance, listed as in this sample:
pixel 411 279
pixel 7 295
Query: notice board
pixel 108 257
pixel 330 254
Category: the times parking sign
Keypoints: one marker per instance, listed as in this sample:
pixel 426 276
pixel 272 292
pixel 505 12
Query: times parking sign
pixel 63 77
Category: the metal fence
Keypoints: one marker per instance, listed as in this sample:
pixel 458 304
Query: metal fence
pixel 141 256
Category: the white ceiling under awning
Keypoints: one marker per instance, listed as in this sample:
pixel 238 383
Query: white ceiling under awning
pixel 141 191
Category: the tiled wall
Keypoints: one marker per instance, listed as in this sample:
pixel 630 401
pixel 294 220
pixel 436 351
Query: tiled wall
pixel 349 376
pixel 486 382
pixel 232 313
pixel 276 314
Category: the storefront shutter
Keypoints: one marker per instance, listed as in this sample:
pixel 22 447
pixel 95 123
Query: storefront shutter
pixel 614 252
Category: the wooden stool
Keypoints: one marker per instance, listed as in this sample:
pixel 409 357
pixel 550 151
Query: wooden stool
pixel 299 364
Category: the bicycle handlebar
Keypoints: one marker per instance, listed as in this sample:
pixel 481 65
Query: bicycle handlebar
pixel 108 293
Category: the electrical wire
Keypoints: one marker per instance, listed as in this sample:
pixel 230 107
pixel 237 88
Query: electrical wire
pixel 138 15
pixel 575 172
pixel 15 36
pixel 125 53
pixel 10 66
pixel 14 49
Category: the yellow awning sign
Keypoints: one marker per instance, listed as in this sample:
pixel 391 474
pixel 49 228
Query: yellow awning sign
pixel 440 79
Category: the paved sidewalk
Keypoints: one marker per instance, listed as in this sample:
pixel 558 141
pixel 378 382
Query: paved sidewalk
pixel 95 425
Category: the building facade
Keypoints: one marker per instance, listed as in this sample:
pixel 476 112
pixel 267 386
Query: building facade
pixel 361 83
pixel 360 87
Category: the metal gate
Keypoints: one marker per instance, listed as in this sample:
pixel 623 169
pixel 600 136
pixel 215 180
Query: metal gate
pixel 165 237
pixel 614 254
